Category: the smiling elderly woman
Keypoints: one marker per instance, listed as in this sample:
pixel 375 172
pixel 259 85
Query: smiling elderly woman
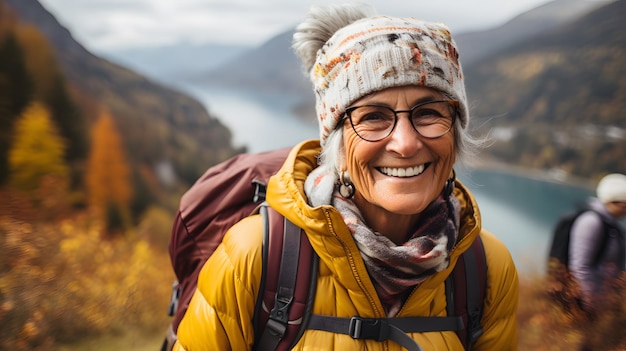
pixel 376 195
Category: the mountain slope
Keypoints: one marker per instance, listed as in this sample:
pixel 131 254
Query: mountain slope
pixel 475 46
pixel 569 71
pixel 559 98
pixel 271 67
pixel 157 123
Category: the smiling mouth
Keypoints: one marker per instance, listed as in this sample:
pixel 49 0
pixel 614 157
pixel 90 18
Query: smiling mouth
pixel 403 172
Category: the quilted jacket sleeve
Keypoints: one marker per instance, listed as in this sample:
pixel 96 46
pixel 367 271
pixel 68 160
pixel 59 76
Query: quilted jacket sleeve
pixel 220 313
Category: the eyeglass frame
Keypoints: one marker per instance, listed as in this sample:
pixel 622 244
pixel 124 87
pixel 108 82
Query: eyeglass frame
pixel 453 103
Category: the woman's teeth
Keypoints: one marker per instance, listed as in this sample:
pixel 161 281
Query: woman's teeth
pixel 402 172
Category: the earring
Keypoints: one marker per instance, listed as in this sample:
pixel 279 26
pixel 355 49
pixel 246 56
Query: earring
pixel 449 186
pixel 346 188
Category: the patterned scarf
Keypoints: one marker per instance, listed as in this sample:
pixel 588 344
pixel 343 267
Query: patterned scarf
pixel 394 269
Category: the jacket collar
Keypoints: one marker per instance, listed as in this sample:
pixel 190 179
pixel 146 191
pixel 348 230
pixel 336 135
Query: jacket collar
pixel 285 193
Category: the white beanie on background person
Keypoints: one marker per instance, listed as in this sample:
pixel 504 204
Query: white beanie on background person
pixel 612 188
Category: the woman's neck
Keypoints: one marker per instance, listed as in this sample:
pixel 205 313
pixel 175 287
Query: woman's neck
pixel 394 226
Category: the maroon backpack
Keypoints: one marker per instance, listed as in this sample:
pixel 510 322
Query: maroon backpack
pixel 234 189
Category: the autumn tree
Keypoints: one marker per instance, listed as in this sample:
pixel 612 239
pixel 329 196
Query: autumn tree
pixel 16 90
pixel 108 176
pixel 51 88
pixel 37 149
pixel 72 127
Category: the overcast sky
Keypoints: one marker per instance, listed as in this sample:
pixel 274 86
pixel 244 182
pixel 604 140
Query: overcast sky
pixel 104 25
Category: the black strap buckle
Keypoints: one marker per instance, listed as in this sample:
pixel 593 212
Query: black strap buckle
pixel 474 325
pixel 276 328
pixel 369 328
pixel 279 317
pixel 260 191
pixel 173 306
pixel 281 308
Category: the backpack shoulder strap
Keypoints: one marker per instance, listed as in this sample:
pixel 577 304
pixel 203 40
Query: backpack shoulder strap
pixel 381 329
pixel 606 227
pixel 287 290
pixel 465 291
pixel 289 278
pixel 606 233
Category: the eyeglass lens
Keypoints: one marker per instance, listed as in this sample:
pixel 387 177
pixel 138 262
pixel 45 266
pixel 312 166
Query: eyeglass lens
pixel 431 119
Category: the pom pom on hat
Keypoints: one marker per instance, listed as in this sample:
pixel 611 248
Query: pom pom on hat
pixel 376 53
pixel 612 188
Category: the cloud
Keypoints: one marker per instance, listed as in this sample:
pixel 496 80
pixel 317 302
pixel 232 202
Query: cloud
pixel 103 25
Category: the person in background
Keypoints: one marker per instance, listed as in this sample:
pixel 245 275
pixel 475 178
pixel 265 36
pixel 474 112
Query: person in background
pixel 376 194
pixel 597 245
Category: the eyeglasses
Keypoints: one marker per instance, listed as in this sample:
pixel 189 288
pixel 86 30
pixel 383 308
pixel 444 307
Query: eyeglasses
pixel 430 119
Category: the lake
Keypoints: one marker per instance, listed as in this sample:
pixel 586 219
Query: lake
pixel 518 208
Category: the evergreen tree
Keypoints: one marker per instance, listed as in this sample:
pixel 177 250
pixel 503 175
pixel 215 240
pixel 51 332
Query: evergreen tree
pixel 50 87
pixel 71 126
pixel 16 90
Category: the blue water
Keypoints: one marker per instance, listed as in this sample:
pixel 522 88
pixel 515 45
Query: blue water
pixel 522 210
pixel 519 209
pixel 260 122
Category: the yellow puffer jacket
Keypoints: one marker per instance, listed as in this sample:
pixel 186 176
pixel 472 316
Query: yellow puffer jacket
pixel 221 310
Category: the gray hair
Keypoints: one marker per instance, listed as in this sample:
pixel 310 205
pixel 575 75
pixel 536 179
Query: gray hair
pixel 333 153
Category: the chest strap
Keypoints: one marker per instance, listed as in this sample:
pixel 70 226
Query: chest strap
pixel 381 329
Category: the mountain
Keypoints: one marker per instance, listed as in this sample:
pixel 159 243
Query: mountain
pixel 158 124
pixel 541 69
pixel 174 63
pixel 557 100
pixel 274 67
pixel 474 46
pixel 270 67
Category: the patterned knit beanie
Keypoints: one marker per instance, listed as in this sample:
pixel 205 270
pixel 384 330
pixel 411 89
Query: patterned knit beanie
pixel 380 52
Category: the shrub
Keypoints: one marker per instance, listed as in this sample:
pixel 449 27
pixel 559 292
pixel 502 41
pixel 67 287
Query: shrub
pixel 62 282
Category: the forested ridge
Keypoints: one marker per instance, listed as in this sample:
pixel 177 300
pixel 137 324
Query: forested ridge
pixel 557 101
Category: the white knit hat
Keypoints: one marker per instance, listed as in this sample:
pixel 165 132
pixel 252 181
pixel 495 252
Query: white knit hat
pixel 612 188
pixel 376 53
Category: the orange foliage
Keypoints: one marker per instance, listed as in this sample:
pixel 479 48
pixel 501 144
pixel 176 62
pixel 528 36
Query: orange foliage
pixel 544 326
pixel 108 175
pixel 60 282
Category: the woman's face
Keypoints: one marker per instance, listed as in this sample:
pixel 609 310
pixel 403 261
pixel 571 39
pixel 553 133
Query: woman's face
pixel 371 165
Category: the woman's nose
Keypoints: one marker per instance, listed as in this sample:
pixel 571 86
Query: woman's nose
pixel 404 138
